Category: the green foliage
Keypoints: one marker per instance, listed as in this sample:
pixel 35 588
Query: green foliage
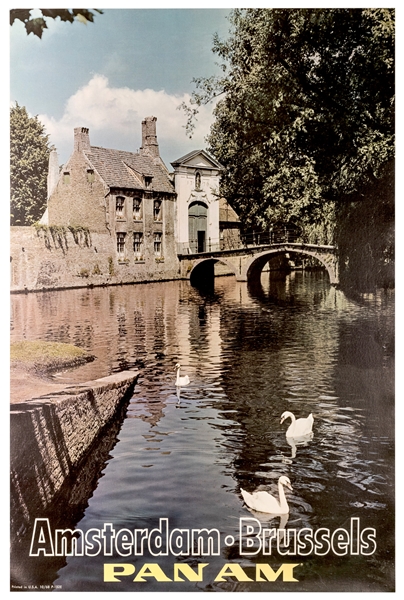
pixel 42 231
pixel 37 25
pixel 81 235
pixel 305 110
pixel 365 235
pixel 58 234
pixel 29 154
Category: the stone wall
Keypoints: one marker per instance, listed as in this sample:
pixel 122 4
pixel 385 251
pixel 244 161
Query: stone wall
pixel 51 435
pixel 61 257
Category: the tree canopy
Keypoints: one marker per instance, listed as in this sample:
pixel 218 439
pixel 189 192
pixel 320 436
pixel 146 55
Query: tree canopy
pixel 37 25
pixel 29 156
pixel 305 109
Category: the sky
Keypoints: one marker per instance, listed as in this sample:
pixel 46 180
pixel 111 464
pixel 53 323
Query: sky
pixel 110 74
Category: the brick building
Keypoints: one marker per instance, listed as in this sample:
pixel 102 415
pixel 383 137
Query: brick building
pixel 130 195
pixel 115 216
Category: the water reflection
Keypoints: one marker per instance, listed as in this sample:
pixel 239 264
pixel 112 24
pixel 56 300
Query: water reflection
pixel 265 520
pixel 302 440
pixel 291 343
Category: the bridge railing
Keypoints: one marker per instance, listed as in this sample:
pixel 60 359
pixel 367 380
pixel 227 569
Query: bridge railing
pixel 193 247
pixel 279 236
pixel 244 241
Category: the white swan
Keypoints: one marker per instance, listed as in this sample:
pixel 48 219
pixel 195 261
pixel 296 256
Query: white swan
pixel 298 427
pixel 180 381
pixel 265 502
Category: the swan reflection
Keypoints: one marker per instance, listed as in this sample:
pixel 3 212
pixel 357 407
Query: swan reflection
pixel 302 440
pixel 265 518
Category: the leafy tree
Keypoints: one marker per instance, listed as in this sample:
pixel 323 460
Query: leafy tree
pixel 37 25
pixel 365 235
pixel 29 154
pixel 305 110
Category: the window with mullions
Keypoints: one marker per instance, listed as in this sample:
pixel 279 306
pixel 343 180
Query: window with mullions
pixel 120 206
pixel 120 243
pixel 157 244
pixel 137 209
pixel 137 244
pixel 157 210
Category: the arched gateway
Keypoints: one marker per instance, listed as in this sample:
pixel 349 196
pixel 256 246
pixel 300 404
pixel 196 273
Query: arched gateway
pixel 196 179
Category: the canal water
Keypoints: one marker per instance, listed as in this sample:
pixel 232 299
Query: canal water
pixel 174 462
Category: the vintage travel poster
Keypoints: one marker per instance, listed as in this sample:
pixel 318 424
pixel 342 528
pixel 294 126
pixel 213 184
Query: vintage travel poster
pixel 202 278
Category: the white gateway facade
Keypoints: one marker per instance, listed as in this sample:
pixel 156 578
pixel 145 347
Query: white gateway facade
pixel 196 181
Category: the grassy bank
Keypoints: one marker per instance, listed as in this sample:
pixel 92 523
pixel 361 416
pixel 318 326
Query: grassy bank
pixel 45 357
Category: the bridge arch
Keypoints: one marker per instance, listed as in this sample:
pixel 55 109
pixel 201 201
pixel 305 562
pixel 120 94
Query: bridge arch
pixel 203 269
pixel 246 263
pixel 254 264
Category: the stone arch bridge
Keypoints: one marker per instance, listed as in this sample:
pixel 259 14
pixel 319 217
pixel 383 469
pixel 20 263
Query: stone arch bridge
pixel 247 262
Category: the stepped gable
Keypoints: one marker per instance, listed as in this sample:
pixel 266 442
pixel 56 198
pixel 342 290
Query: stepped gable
pixel 122 169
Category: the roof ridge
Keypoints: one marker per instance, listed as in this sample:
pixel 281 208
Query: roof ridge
pixel 125 169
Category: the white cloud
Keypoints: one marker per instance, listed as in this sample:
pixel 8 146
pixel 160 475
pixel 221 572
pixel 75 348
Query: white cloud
pixel 114 116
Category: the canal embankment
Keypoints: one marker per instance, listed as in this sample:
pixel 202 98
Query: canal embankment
pixel 52 258
pixel 52 434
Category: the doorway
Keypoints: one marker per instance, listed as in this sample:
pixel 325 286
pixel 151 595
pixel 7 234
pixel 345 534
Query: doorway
pixel 201 241
pixel 197 226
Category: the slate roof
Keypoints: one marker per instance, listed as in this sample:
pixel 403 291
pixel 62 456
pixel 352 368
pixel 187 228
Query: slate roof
pixel 122 169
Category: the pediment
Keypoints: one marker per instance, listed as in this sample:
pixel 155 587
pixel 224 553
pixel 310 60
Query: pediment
pixel 198 159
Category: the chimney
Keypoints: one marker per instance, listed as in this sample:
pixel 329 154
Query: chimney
pixel 149 137
pixel 81 139
pixel 53 171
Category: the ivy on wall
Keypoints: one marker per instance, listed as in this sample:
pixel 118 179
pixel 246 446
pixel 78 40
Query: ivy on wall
pixel 56 235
